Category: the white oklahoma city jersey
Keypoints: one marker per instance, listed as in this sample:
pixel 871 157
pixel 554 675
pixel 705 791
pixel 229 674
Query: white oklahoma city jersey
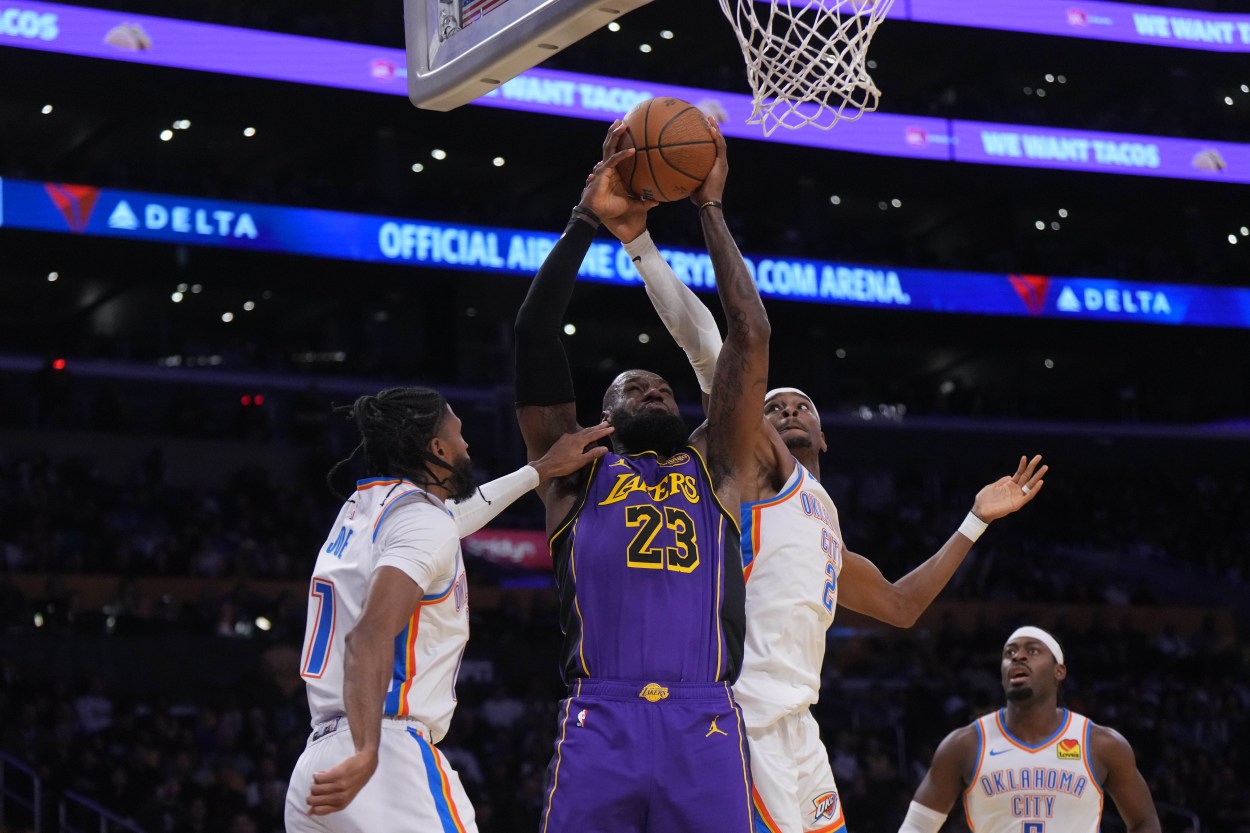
pixel 390 523
pixel 791 556
pixel 1048 788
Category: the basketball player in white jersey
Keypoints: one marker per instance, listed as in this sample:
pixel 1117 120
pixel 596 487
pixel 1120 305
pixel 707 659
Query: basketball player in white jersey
pixel 388 621
pixel 1032 767
pixel 798 569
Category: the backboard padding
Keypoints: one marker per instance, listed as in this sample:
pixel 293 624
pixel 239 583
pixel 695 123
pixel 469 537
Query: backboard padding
pixel 446 71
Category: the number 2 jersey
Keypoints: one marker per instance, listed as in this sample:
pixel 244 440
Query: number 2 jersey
pixel 649 574
pixel 792 551
pixel 1047 788
pixel 390 523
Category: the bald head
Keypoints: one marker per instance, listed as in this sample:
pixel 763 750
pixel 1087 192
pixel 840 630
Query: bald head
pixel 641 406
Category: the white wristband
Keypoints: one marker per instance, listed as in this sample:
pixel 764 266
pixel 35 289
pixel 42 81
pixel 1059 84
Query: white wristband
pixel 972 527
pixel 920 819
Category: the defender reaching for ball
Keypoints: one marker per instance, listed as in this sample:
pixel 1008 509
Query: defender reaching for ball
pixel 646 557
pixel 797 569
pixel 388 620
pixel 1032 767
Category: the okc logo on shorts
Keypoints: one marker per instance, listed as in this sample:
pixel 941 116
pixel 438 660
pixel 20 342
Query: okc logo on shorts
pixel 825 805
pixel 653 693
pixel 1069 749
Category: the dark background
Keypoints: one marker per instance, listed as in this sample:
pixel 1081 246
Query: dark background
pixel 150 517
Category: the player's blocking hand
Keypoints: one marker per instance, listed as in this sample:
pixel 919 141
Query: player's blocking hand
pixel 605 193
pixel 713 188
pixel 570 452
pixel 1007 494
pixel 334 789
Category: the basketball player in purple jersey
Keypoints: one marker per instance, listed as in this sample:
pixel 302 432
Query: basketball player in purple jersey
pixel 646 552
pixel 798 570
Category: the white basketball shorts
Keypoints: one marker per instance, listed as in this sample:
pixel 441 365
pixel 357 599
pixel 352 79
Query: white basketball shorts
pixel 793 790
pixel 413 789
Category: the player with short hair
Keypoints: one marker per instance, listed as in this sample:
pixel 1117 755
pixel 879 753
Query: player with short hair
pixel 388 619
pixel 797 568
pixel 646 555
pixel 1032 767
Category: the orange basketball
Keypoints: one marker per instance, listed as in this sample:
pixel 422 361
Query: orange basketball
pixel 675 149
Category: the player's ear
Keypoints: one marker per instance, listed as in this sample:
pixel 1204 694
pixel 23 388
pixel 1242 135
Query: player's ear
pixel 437 448
pixel 824 446
pixel 1061 673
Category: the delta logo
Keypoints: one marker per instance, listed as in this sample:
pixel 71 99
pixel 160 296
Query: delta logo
pixel 1139 301
pixel 1069 749
pixel 75 202
pixel 1032 290
pixel 182 219
pixel 382 69
pixel 916 137
pixel 825 805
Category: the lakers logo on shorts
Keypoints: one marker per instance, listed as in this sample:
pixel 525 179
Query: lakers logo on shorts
pixel 1069 749
pixel 653 693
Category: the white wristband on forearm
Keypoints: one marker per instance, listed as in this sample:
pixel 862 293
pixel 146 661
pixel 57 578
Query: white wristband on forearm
pixel 685 317
pixel 972 527
pixel 921 819
pixel 475 512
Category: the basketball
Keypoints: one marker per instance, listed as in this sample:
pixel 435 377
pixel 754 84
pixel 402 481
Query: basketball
pixel 675 149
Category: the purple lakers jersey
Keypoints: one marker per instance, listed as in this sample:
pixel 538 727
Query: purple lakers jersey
pixel 649 571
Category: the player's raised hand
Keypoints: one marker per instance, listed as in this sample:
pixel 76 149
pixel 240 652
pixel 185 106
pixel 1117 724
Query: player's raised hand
pixel 713 188
pixel 1007 494
pixel 605 193
pixel 334 789
pixel 570 454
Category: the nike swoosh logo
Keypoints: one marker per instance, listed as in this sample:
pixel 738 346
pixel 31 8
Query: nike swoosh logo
pixel 998 751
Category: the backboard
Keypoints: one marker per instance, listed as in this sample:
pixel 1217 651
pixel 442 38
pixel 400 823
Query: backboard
pixel 459 50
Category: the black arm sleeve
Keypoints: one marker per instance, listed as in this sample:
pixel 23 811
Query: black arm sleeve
pixel 542 370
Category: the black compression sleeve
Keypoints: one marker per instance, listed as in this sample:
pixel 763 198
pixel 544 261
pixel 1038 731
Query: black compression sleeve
pixel 542 370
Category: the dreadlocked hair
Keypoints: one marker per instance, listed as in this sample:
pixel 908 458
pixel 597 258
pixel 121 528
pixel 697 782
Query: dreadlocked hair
pixel 396 427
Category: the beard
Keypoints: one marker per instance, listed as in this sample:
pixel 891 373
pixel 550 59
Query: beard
pixel 460 482
pixel 1020 694
pixel 797 441
pixel 650 430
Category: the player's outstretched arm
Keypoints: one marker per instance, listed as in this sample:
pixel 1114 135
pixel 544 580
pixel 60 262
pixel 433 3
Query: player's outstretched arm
pixel 863 589
pixel 569 454
pixel 1123 781
pixel 687 319
pixel 736 407
pixel 943 783
pixel 544 384
pixel 369 655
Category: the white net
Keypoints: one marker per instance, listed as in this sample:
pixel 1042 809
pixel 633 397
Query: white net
pixel 807 59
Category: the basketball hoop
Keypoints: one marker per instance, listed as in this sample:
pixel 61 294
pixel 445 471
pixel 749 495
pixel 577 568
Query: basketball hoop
pixel 806 59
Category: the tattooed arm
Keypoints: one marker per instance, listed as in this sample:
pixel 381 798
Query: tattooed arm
pixel 736 409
